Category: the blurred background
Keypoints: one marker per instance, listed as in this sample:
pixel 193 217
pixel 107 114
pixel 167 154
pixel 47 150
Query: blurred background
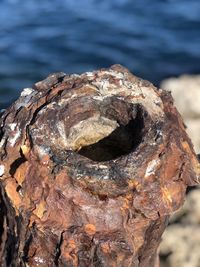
pixel 155 39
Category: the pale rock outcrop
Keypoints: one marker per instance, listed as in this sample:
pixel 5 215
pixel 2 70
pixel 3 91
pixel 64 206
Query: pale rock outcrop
pixel 186 92
pixel 181 241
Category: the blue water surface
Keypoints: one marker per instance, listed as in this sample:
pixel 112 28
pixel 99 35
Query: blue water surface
pixel 153 38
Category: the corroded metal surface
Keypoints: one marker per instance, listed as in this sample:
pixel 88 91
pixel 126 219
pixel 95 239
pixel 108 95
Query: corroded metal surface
pixel 91 167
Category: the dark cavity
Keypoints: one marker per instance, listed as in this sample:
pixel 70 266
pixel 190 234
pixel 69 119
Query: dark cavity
pixel 122 141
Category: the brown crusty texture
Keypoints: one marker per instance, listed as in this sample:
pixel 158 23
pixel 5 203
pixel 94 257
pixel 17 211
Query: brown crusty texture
pixel 91 166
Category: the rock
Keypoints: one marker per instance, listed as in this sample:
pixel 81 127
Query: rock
pixel 182 245
pixel 186 92
pixel 189 214
pixel 181 241
pixel 193 130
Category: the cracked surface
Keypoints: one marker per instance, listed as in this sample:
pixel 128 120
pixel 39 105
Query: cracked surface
pixel 91 166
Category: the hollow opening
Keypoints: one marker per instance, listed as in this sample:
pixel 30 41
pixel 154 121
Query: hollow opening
pixel 122 141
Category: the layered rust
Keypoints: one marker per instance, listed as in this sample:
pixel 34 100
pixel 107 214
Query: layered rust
pixel 91 167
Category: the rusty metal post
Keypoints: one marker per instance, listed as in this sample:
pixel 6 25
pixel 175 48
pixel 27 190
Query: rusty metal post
pixel 91 167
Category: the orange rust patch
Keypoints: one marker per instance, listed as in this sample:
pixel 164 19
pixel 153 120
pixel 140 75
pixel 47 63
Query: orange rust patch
pixel 71 257
pixel 126 203
pixel 69 251
pixel 105 248
pixel 90 229
pixel 133 183
pixel 129 196
pixel 40 209
pixel 21 173
pixel 11 190
pixel 25 149
pixel 187 149
pixel 45 160
pixel 125 206
pixel 166 194
pixel 72 244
